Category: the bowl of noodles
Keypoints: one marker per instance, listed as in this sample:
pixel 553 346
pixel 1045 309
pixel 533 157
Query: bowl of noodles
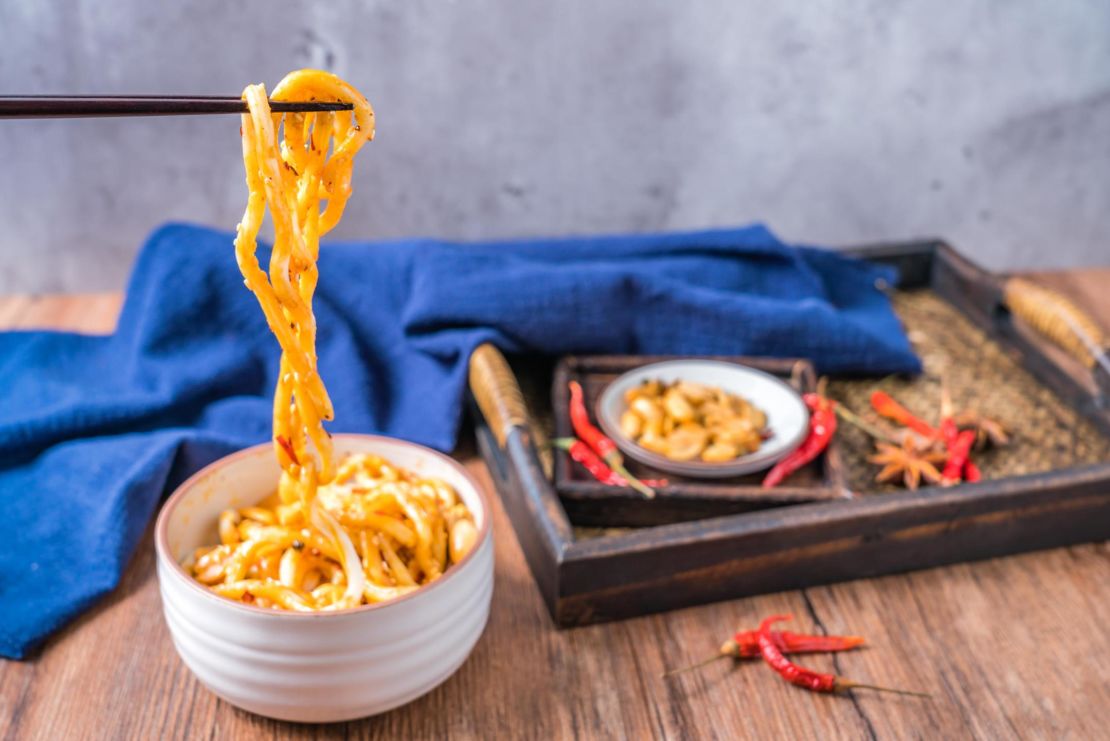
pixel 274 633
pixel 316 578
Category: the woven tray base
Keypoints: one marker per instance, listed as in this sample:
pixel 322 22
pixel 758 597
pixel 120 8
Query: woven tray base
pixel 1047 433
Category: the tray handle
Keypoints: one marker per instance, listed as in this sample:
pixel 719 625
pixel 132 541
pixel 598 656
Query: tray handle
pixel 496 391
pixel 1059 320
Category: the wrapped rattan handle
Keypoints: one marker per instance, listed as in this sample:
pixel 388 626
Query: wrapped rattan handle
pixel 1057 318
pixel 495 389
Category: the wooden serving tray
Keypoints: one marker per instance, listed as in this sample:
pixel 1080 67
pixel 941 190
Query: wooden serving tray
pixel 624 573
pixel 589 502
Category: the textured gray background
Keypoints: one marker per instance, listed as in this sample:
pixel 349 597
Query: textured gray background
pixel 835 122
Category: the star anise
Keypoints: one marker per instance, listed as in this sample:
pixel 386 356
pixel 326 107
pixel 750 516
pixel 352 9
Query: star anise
pixel 909 462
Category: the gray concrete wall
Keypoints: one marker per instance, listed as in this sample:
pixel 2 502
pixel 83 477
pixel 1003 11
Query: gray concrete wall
pixel 841 121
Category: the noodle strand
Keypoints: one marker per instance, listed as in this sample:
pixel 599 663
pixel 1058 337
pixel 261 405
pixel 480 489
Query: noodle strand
pixel 300 553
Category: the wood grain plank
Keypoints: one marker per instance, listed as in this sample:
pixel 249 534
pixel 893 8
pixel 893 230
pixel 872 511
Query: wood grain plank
pixel 12 308
pixel 93 313
pixel 1007 647
pixel 1010 647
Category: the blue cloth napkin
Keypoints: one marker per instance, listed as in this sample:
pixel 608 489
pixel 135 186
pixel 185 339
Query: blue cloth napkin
pixel 95 430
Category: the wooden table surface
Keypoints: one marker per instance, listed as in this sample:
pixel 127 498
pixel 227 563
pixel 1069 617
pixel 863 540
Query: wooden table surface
pixel 1009 648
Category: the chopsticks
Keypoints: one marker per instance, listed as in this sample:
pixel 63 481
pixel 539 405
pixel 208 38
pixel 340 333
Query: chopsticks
pixel 81 106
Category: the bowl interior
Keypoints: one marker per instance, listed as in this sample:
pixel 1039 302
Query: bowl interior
pixel 251 475
pixel 787 416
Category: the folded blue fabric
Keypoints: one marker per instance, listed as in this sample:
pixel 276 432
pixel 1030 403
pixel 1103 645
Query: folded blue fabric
pixel 94 430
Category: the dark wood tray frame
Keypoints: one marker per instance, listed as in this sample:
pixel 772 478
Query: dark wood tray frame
pixel 671 566
pixel 588 502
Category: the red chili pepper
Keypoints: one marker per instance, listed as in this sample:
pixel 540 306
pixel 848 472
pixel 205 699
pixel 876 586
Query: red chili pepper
pixel 744 644
pixel 950 433
pixel 822 427
pixel 747 643
pixel 807 678
pixel 958 453
pixel 584 428
pixel 591 461
pixel 886 406
pixel 788 670
pixel 972 472
pixel 595 438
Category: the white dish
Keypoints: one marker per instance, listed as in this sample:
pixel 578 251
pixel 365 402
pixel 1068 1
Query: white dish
pixel 324 666
pixel 787 416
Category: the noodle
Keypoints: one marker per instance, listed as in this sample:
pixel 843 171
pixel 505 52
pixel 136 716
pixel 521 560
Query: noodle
pixel 334 536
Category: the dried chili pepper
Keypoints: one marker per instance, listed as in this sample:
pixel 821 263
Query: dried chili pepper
pixel 596 439
pixel 592 462
pixel 972 472
pixel 950 433
pixel 822 427
pixel 744 644
pixel 885 405
pixel 808 678
pixel 747 643
pixel 948 430
pixel 584 428
pixel 958 452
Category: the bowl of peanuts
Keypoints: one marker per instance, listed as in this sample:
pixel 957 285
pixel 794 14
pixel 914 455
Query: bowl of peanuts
pixel 702 418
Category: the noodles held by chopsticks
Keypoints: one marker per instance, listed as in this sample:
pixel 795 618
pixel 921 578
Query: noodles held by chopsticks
pixel 292 178
pixel 332 537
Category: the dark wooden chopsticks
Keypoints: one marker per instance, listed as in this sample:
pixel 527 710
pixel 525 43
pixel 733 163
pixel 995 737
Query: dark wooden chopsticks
pixel 80 106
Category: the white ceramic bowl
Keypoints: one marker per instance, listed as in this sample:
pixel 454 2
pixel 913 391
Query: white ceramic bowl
pixel 787 416
pixel 327 666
